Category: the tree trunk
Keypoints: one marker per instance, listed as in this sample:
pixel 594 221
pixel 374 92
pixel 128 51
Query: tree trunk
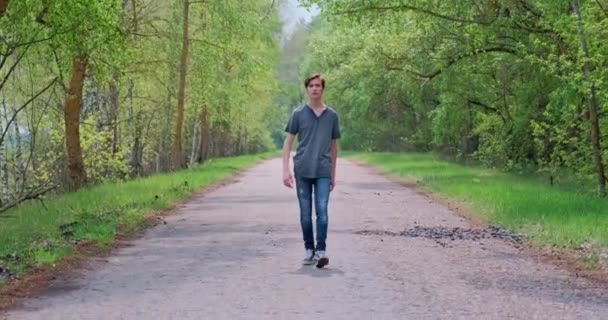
pixel 593 104
pixel 3 7
pixel 72 107
pixel 113 116
pixel 239 142
pixel 10 145
pixel 203 148
pixel 136 165
pixel 3 171
pixel 214 144
pixel 223 141
pixel 195 145
pixel 18 165
pixel 183 69
pixel 158 157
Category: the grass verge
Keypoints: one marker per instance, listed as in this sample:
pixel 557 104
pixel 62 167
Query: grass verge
pixel 39 234
pixel 549 216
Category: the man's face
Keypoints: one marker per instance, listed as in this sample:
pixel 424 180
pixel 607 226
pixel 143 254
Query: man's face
pixel 315 89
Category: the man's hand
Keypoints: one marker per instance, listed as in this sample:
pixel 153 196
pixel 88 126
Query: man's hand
pixel 288 179
pixel 334 158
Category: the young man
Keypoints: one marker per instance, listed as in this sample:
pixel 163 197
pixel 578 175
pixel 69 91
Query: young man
pixel 317 128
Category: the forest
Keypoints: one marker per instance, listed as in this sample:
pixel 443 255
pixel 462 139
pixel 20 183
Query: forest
pixel 109 90
pixel 97 91
pixel 517 85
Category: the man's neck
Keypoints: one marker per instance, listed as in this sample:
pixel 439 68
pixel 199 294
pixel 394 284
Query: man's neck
pixel 316 104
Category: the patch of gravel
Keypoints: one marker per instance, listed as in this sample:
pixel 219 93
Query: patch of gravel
pixel 452 234
pixel 462 234
pixel 377 233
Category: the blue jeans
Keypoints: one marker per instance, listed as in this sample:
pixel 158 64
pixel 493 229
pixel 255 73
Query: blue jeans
pixel 305 188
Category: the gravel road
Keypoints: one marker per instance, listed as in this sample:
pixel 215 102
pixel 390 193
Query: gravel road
pixel 235 252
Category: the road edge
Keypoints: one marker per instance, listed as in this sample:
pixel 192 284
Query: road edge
pixel 87 256
pixel 565 259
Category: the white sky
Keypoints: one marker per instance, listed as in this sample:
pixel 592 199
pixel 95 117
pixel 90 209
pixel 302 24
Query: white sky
pixel 291 12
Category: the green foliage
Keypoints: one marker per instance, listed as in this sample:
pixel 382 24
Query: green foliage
pixel 128 116
pixel 501 82
pixel 104 164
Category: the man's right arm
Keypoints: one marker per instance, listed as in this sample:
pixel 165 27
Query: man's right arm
pixel 287 177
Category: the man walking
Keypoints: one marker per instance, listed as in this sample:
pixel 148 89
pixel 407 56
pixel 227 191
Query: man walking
pixel 317 128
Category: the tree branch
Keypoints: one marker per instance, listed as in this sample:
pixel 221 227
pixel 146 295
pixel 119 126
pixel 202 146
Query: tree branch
pixel 488 108
pixel 35 41
pixel 451 61
pixel 8 124
pixel 10 71
pixel 481 104
pixel 34 194
pixel 413 8
pixel 532 29
pixel 454 60
pixel 215 45
pixel 527 7
pixel 268 12
pixel 604 10
pixel 5 57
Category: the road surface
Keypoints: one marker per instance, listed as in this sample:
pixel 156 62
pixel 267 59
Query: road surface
pixel 235 252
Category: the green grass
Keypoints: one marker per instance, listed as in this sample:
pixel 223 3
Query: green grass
pixel 548 215
pixel 38 233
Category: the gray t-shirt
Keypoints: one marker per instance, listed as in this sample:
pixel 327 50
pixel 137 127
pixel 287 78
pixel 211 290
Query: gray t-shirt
pixel 313 155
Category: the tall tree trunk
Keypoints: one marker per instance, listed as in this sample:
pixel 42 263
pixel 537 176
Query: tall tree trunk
pixel 223 141
pixel 17 148
pixel 135 122
pixel 159 157
pixel 113 116
pixel 136 165
pixel 4 175
pixel 203 148
pixel 239 142
pixel 9 145
pixel 18 164
pixel 195 145
pixel 183 69
pixel 3 170
pixel 593 104
pixel 72 107
pixel 214 149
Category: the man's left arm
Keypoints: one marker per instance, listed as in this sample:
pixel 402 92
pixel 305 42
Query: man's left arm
pixel 335 135
pixel 334 158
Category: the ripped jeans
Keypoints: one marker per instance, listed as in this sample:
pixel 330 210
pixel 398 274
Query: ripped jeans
pixel 305 187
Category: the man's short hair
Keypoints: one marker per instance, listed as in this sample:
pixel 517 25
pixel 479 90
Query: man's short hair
pixel 312 77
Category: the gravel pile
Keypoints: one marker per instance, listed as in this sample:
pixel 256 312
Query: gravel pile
pixel 451 234
pixel 443 233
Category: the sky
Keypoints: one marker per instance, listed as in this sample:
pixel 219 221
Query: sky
pixel 291 12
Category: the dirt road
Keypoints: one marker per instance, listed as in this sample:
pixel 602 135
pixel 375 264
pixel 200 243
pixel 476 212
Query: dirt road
pixel 235 253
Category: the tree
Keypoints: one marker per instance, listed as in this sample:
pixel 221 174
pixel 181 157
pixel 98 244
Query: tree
pixel 178 160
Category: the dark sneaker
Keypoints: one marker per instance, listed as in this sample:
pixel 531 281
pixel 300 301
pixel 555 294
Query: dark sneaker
pixel 321 259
